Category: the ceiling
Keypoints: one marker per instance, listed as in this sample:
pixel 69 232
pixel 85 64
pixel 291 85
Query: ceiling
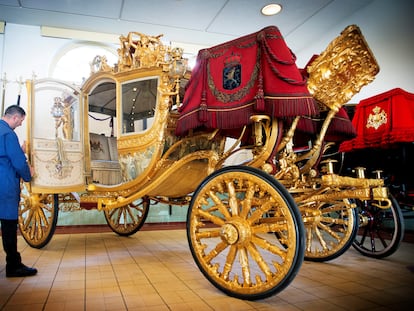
pixel 197 22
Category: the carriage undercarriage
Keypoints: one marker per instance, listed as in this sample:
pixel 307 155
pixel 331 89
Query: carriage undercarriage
pixel 249 225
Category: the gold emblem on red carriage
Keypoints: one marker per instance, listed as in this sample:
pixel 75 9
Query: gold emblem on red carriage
pixel 377 119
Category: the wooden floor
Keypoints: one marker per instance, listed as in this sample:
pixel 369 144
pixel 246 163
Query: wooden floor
pixel 106 228
pixel 408 235
pixel 154 270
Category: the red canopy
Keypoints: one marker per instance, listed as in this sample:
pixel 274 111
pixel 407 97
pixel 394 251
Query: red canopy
pixel 383 120
pixel 254 74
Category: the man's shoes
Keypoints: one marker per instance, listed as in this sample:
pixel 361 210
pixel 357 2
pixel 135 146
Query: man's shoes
pixel 21 271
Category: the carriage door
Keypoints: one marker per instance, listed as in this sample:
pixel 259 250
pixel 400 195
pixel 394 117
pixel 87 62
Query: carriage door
pixel 55 133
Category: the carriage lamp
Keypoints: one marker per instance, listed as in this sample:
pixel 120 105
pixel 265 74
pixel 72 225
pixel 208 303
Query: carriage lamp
pixel 57 113
pixel 177 69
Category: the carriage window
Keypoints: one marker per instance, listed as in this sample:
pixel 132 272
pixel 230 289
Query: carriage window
pixel 102 109
pixel 138 104
pixel 55 112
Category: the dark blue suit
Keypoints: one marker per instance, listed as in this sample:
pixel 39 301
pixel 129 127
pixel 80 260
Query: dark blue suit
pixel 13 167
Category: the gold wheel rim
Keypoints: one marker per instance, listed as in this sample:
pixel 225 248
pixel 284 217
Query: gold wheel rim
pixel 36 216
pixel 126 219
pixel 232 232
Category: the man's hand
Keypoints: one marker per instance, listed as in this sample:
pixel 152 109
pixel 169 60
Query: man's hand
pixel 24 146
pixel 32 171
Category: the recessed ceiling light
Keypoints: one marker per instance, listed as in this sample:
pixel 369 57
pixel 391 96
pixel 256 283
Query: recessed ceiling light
pixel 271 9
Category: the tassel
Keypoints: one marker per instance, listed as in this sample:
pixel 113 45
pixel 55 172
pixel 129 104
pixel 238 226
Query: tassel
pixel 260 103
pixel 202 112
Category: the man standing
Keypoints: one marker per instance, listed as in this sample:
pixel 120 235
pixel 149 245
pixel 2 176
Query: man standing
pixel 13 167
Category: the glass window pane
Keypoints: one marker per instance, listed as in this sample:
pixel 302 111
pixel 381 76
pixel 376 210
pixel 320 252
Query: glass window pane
pixel 139 99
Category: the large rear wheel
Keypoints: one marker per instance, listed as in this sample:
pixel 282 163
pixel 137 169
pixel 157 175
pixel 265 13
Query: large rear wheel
pixel 38 214
pixel 233 239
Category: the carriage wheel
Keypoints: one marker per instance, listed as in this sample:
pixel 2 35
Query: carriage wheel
pixel 330 229
pixel 38 214
pixel 381 230
pixel 127 220
pixel 232 238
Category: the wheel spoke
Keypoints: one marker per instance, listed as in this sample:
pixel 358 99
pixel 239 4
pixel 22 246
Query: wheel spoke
pixel 208 234
pixel 215 251
pixel 321 240
pixel 233 204
pixel 39 227
pixel 218 205
pixel 43 219
pixel 264 267
pixel 329 231
pixel 131 215
pixel 272 248
pixel 228 265
pixel 262 210
pixel 28 220
pixel 244 263
pixel 383 240
pixel 247 202
pixel 210 217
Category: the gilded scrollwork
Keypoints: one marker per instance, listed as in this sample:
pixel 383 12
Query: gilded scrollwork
pixel 288 170
pixel 138 50
pixel 342 69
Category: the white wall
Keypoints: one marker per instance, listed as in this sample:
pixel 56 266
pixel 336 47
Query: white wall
pixel 387 27
pixel 25 53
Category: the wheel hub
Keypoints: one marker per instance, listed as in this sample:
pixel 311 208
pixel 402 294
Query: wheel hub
pixel 35 200
pixel 365 219
pixel 235 232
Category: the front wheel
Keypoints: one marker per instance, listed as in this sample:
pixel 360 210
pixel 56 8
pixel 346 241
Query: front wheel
pixel 235 242
pixel 127 220
pixel 38 214
pixel 381 230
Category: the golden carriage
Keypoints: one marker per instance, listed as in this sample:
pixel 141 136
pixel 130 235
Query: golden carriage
pixel 250 224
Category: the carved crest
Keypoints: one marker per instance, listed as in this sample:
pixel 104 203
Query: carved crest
pixel 232 72
pixel 378 118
